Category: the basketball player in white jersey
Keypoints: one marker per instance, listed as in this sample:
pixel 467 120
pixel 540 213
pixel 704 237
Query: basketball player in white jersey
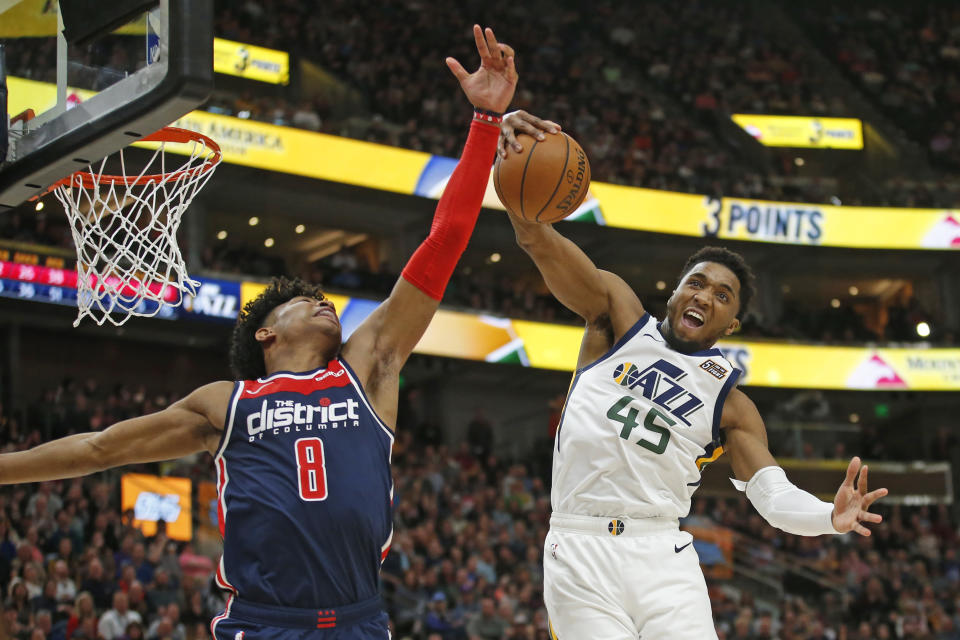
pixel 650 404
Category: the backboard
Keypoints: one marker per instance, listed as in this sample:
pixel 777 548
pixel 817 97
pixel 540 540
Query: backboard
pixel 95 87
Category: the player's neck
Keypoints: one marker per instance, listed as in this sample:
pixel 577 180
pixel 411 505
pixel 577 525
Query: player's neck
pixel 297 358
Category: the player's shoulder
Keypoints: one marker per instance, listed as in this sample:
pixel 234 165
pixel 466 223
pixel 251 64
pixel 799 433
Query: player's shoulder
pixel 738 410
pixel 210 400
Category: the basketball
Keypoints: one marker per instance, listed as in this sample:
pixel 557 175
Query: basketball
pixel 545 182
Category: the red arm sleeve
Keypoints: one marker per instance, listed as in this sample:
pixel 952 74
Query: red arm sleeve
pixel 432 264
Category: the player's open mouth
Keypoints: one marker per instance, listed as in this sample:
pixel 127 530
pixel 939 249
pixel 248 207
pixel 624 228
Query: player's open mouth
pixel 692 318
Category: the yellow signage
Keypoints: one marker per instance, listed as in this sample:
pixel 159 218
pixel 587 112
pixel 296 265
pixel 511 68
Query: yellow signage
pixel 364 164
pixel 777 222
pixel 248 61
pixel 801 131
pixel 475 336
pixel 154 499
pixel 28 19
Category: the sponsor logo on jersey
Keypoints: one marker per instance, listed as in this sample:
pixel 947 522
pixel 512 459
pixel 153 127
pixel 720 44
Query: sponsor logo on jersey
pixel 660 383
pixel 291 416
pixel 714 369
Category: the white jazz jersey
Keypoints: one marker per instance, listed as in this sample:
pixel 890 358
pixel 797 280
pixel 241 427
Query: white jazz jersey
pixel 638 426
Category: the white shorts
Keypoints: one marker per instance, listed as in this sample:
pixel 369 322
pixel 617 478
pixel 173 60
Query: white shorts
pixel 622 579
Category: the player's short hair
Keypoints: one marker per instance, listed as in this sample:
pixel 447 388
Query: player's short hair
pixel 246 354
pixel 731 260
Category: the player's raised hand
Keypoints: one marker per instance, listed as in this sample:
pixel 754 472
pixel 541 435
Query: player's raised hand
pixel 852 504
pixel 520 121
pixel 491 86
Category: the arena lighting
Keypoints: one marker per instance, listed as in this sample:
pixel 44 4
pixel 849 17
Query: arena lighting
pixel 222 234
pixel 854 418
pixel 799 162
pixel 661 285
pixel 254 221
pixel 268 242
pixel 494 257
pixel 39 206
pixel 853 290
pixel 835 303
pixel 299 228
pixel 923 329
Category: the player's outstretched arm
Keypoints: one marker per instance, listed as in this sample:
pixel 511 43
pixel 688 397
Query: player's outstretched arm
pixel 570 275
pixel 187 426
pixel 387 337
pixel 779 501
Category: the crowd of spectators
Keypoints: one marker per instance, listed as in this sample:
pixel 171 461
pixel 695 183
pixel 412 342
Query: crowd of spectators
pixel 72 566
pixel 593 72
pixel 465 562
pixel 905 56
pixel 646 86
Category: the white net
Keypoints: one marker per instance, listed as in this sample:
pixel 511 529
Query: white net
pixel 125 230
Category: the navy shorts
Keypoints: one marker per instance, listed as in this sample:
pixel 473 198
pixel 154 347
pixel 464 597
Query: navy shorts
pixel 250 621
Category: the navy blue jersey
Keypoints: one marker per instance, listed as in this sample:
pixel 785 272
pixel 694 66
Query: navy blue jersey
pixel 305 490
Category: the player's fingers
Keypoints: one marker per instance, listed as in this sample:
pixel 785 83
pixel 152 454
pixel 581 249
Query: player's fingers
pixel 852 470
pixel 530 129
pixel 510 140
pixel 511 69
pixel 482 48
pixel 493 46
pixel 862 480
pixel 539 123
pixel 862 530
pixel 873 496
pixel 506 51
pixel 457 69
pixel 502 146
pixel 866 516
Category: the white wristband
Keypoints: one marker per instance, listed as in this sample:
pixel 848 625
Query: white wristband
pixel 786 506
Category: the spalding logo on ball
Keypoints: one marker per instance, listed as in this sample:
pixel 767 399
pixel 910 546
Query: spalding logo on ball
pixel 545 182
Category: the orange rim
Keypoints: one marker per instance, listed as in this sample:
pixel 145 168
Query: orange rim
pixel 89 180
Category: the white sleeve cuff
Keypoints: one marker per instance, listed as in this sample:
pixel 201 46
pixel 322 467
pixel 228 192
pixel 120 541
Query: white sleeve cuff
pixel 785 506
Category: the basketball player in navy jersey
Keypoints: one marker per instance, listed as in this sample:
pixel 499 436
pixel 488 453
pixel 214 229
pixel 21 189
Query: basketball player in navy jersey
pixel 650 404
pixel 302 440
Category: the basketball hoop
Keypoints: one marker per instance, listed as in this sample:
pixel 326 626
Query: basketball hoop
pixel 125 228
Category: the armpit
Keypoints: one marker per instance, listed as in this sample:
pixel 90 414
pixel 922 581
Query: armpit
pixel 602 327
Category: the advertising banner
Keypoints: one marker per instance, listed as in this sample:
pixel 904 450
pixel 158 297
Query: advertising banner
pixel 215 299
pixel 248 61
pixel 475 336
pixel 802 131
pixel 155 498
pixel 364 164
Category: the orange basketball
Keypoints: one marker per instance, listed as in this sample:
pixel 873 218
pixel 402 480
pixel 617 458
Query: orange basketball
pixel 546 181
